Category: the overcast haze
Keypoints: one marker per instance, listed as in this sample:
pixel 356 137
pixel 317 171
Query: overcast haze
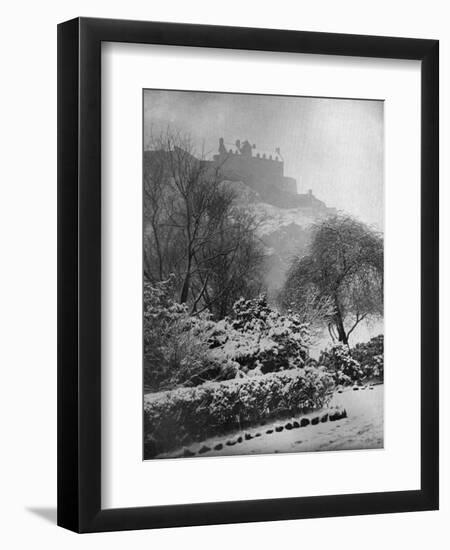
pixel 332 146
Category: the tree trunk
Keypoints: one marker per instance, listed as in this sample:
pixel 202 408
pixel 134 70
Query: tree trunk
pixel 185 289
pixel 158 249
pixel 342 335
pixel 187 281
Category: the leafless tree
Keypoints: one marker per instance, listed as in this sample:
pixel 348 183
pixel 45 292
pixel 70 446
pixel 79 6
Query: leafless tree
pixel 232 263
pixel 194 228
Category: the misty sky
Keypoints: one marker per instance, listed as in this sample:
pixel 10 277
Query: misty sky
pixel 332 146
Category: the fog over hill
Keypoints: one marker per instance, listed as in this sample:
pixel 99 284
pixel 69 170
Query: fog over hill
pixel 284 231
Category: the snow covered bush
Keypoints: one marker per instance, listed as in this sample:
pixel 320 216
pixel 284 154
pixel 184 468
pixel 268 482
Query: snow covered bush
pixel 260 339
pixel 370 355
pixel 349 365
pixel 339 362
pixel 181 349
pixel 179 417
pixel 177 347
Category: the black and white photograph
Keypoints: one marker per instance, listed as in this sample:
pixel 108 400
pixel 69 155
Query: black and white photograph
pixel 235 224
pixel 263 274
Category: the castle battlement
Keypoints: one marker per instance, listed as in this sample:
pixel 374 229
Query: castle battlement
pixel 246 150
pixel 259 169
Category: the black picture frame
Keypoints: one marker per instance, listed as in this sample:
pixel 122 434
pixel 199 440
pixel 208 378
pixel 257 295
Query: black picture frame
pixel 79 274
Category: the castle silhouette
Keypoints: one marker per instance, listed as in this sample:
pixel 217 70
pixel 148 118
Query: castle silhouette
pixel 264 173
pixel 242 162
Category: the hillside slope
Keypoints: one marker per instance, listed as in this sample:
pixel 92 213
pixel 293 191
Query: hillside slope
pixel 284 231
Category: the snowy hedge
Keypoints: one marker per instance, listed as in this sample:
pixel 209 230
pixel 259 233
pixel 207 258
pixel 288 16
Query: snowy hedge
pixel 178 417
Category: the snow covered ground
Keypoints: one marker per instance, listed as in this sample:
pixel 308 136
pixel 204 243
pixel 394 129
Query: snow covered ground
pixel 362 429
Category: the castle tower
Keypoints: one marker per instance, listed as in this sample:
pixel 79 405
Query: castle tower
pixel 246 149
pixel 222 148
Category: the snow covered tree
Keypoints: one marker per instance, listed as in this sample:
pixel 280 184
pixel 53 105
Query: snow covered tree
pixel 344 272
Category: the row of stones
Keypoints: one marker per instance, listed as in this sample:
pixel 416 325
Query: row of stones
pixel 356 388
pixel 332 415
